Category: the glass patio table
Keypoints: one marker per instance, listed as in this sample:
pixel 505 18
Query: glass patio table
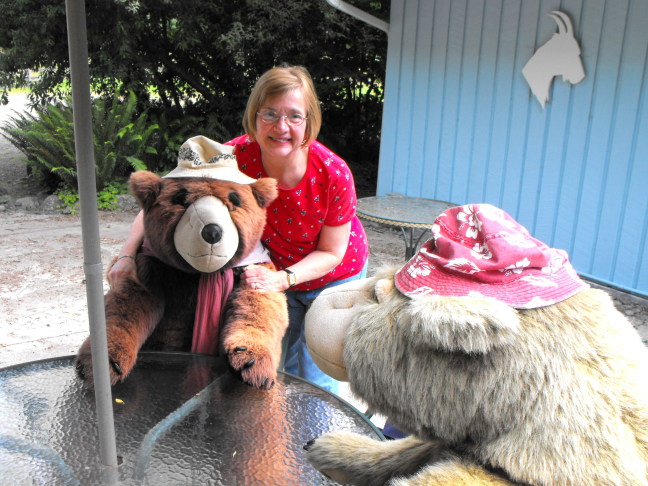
pixel 407 213
pixel 180 419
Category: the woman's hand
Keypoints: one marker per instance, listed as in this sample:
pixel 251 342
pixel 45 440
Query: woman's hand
pixel 123 267
pixel 263 279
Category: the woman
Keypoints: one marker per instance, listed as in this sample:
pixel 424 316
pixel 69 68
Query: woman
pixel 312 232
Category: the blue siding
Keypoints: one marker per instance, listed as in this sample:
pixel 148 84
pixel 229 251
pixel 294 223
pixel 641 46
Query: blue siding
pixel 460 123
pixel 391 102
pixel 438 180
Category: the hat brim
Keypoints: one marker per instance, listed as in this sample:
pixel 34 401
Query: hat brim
pixel 219 173
pixel 532 290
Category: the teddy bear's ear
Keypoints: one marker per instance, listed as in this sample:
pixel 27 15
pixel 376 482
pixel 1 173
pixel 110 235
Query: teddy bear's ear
pixel 265 191
pixel 462 324
pixel 146 187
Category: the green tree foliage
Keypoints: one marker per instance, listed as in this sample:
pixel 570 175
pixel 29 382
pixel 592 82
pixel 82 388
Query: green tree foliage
pixel 200 58
pixel 46 136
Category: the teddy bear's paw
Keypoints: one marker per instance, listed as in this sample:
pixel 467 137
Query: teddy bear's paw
pixel 351 458
pixel 315 457
pixel 121 364
pixel 341 457
pixel 254 365
pixel 84 370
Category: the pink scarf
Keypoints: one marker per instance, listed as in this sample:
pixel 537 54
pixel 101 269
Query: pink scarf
pixel 213 292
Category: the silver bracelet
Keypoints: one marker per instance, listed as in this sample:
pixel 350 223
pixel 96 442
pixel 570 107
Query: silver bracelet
pixel 124 256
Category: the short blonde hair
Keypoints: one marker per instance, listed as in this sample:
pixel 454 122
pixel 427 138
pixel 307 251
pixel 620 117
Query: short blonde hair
pixel 278 81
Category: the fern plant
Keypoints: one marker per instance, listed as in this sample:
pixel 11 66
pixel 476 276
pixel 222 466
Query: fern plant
pixel 46 138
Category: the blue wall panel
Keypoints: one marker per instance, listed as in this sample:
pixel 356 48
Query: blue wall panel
pixel 420 93
pixel 461 124
pixel 391 102
pixel 485 100
pixel 440 184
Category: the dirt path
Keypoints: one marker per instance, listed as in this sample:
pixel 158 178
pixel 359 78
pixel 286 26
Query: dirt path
pixel 13 174
pixel 43 309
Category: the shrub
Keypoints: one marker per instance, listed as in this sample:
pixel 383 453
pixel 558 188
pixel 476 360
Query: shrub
pixel 107 198
pixel 69 199
pixel 46 138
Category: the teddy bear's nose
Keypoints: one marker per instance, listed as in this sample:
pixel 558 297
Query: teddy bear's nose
pixel 212 233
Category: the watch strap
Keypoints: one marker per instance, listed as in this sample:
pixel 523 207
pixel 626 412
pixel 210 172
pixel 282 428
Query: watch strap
pixel 292 278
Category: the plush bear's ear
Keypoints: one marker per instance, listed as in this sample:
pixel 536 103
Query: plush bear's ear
pixel 461 324
pixel 265 191
pixel 146 187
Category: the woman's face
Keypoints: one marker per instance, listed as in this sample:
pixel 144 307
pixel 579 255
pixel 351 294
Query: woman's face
pixel 280 139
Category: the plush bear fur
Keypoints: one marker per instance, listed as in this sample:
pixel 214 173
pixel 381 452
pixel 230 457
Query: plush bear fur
pixel 157 311
pixel 490 395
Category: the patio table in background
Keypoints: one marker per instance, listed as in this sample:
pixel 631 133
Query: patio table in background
pixel 407 213
pixel 180 418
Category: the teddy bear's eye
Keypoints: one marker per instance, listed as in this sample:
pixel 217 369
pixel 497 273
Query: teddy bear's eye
pixel 234 198
pixel 180 197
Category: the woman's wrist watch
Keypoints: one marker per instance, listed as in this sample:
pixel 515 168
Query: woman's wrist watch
pixel 292 278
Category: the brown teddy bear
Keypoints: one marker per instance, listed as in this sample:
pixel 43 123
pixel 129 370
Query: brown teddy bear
pixel 501 365
pixel 202 223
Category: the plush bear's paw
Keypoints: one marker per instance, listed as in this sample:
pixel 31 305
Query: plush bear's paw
pixel 333 455
pixel 121 363
pixel 356 459
pixel 254 364
pixel 85 371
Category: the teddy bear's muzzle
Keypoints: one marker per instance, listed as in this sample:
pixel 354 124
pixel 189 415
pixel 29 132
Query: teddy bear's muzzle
pixel 206 236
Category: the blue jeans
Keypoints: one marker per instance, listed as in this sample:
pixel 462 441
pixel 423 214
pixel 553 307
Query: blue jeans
pixel 297 359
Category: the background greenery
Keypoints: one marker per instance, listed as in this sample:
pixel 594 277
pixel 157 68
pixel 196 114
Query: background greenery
pixel 46 136
pixel 190 66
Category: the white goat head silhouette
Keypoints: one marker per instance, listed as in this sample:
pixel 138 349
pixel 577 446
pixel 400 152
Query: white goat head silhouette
pixel 559 56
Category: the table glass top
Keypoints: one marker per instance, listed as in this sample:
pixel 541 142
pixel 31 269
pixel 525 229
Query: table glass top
pixel 179 419
pixel 402 210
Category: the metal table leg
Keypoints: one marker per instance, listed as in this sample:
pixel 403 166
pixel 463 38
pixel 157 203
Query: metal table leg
pixel 411 245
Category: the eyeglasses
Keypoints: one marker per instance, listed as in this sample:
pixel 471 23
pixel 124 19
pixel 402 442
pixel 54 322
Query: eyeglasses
pixel 273 117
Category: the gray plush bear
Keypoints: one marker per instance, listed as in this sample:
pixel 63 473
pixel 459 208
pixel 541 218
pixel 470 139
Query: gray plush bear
pixel 498 361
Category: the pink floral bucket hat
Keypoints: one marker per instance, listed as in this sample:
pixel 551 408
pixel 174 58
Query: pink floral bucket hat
pixel 479 250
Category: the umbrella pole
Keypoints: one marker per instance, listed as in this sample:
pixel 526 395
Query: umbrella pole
pixel 81 103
